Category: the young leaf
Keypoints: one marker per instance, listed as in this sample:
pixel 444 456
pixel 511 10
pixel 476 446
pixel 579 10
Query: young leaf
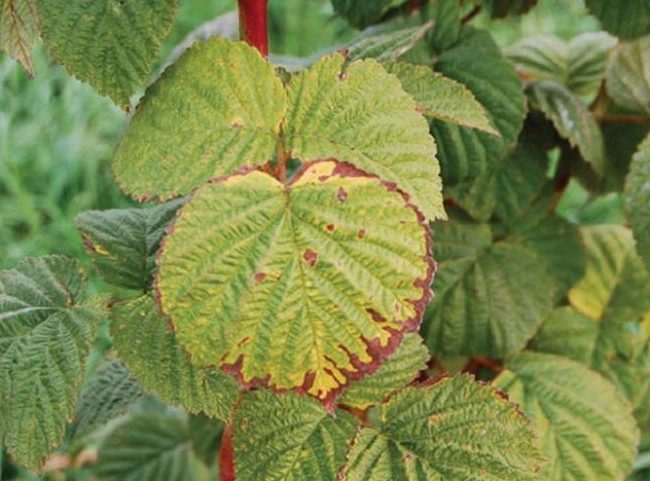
pixel 359 114
pixel 401 368
pixel 572 119
pixel 19 24
pixel 217 109
pixel 111 45
pixel 453 430
pixel 289 437
pixel 637 191
pixel 123 242
pixel 151 353
pixel 628 76
pixel 304 285
pixel 45 336
pixel 363 14
pixel 584 426
pixel 491 297
pixel 627 19
pixel 477 62
pixel 439 97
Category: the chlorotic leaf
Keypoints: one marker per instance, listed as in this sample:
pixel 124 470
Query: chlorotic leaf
pixel 627 19
pixel 477 62
pixel 19 24
pixel 491 297
pixel 302 286
pixel 572 119
pixel 151 353
pixel 45 336
pixel 386 46
pixel 401 368
pixel 111 45
pixel 363 14
pixel 439 97
pixel 637 191
pixel 452 430
pixel 300 439
pixel 585 427
pixel 628 76
pixel 123 242
pixel 359 114
pixel 217 109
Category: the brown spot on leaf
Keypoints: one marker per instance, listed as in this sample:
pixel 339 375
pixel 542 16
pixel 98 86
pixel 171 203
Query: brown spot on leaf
pixel 260 276
pixel 361 233
pixel 330 227
pixel 243 341
pixel 310 256
pixel 342 195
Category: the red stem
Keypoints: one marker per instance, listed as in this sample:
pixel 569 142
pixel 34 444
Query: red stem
pixel 253 24
pixel 226 456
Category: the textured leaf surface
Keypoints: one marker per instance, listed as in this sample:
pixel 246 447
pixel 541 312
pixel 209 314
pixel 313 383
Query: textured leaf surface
pixel 627 19
pixel 491 297
pixel 298 286
pixel 453 430
pixel 585 427
pixel 217 109
pixel 289 437
pixel 401 368
pixel 19 25
pixel 111 44
pixel 123 242
pixel 572 119
pixel 360 114
pixel 446 23
pixel 637 190
pixel 477 62
pixel 151 353
pixel 439 97
pixel 45 336
pixel 628 76
pixel 387 46
pixel 362 14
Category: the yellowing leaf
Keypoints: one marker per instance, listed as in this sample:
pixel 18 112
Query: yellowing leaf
pixel 18 30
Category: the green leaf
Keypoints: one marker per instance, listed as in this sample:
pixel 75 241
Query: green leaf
pixel 386 46
pixel 628 76
pixel 151 353
pixel 572 119
pixel 441 98
pixel 446 23
pixel 123 242
pixel 637 191
pixel 363 14
pixel 110 44
pixel 109 394
pixel 491 297
pixel 45 336
pixel 401 368
pixel 19 24
pixel 360 114
pixel 289 437
pixel 151 446
pixel 579 64
pixel 217 109
pixel 503 8
pixel 296 286
pixel 627 19
pixel 477 62
pixel 453 430
pixel 584 426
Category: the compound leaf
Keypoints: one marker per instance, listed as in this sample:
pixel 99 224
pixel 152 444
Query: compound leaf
pixel 19 24
pixel 637 191
pixel 627 19
pixel 300 286
pixel 628 76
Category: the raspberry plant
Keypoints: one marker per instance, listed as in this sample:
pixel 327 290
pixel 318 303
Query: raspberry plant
pixel 365 268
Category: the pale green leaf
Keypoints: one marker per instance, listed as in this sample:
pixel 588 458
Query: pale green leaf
pixel 45 337
pixel 150 351
pixel 110 44
pixel 217 109
pixel 360 14
pixel 296 286
pixel 439 97
pixel 123 242
pixel 491 297
pixel 477 62
pixel 452 430
pixel 445 15
pixel 637 191
pixel 289 438
pixel 584 426
pixel 628 76
pixel 401 368
pixel 386 46
pixel 19 24
pixel 359 114
pixel 572 119
pixel 626 19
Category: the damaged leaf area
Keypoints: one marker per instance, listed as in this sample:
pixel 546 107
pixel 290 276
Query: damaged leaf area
pixel 301 286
